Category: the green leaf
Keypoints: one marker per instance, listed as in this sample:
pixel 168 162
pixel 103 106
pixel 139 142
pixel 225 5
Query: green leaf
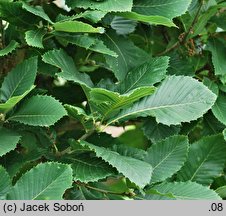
pixel 217 49
pixel 15 14
pixel 156 131
pixel 61 60
pixel 9 48
pixel 224 133
pixel 178 99
pixel 129 56
pixel 20 79
pixel 108 102
pixel 128 151
pixel 113 185
pixel 153 20
pixel 5 183
pixel 123 26
pixel 34 37
pixel 77 26
pixel 39 111
pixel 87 42
pixel 92 15
pixel 221 191
pixel 109 6
pixel 146 74
pixel 100 47
pixel 211 125
pixel 37 11
pixel 182 191
pixel 167 157
pixel 80 115
pixel 164 8
pixel 206 160
pixel 219 108
pixel 9 104
pixel 47 181
pixel 89 169
pixel 135 170
pixel 8 140
pixel 182 65
pixel 211 85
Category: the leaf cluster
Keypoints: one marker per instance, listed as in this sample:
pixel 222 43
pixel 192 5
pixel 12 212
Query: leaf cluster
pixel 122 99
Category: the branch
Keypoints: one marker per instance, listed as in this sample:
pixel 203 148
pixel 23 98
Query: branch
pixel 186 34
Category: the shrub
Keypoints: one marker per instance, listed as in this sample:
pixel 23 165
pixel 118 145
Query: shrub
pixel 113 100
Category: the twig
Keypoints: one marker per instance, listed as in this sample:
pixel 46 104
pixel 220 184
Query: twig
pixel 104 191
pixel 184 40
pixel 69 150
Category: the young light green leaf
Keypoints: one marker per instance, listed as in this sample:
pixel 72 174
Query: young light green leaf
pixel 92 15
pixel 178 99
pixel 9 104
pixel 146 74
pixel 167 157
pixel 47 181
pixel 135 170
pixel 20 79
pixel 8 140
pixel 77 27
pixel 151 19
pixel 69 72
pixel 129 55
pixel 108 102
pixel 164 8
pixel 34 37
pixel 219 108
pixel 89 169
pixel 206 160
pixel 39 111
pixel 9 48
pixel 181 191
pixel 109 6
pixel 5 183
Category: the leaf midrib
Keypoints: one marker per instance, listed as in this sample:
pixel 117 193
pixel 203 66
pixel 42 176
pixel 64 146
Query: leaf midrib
pixel 205 159
pixel 152 108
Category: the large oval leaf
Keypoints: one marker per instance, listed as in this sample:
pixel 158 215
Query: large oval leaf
pixel 178 99
pixel 135 170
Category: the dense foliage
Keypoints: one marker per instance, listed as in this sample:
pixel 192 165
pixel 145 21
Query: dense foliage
pixel 73 76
